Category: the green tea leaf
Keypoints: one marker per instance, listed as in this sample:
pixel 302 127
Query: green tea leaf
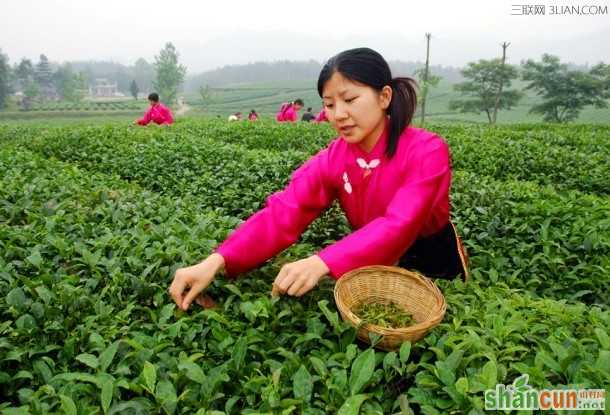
pixel 319 366
pixel 405 408
pixel 454 359
pixel 106 394
pixel 444 373
pixel 166 395
pixel 149 373
pixel 405 351
pixel 22 410
pixel 239 352
pixel 302 384
pixel 16 298
pixel 77 377
pixel 45 294
pixel 462 385
pixel 193 371
pixel 88 359
pixel 489 374
pixel 545 358
pixel 43 369
pixel 521 381
pixel 351 406
pixel 331 316
pixel 603 338
pixel 35 258
pixel 67 405
pixel 603 361
pixel 362 371
pixel 107 355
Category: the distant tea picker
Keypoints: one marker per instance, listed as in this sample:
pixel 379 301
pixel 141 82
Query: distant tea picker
pixel 391 179
pixel 157 113
pixel 289 111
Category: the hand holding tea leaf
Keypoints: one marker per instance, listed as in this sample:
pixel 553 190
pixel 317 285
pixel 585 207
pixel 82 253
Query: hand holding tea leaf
pixel 190 281
pixel 297 278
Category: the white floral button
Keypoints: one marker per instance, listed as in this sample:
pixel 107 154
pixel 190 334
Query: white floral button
pixel 367 166
pixel 347 185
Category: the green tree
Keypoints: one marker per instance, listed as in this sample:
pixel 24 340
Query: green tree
pixel 487 88
pixel 601 71
pixel 82 84
pixel 65 83
pixel 143 74
pixel 133 88
pixel 5 80
pixel 44 77
pixel 24 72
pixel 564 92
pixel 170 74
pixel 30 92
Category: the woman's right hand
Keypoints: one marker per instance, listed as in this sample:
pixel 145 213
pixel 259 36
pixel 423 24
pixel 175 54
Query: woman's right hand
pixel 189 282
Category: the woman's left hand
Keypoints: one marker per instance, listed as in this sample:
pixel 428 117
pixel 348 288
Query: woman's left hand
pixel 297 278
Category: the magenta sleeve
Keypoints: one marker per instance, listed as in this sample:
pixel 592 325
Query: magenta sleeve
pixel 280 223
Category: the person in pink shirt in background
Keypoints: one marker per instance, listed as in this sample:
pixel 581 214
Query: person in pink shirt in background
pixel 321 117
pixel 289 111
pixel 253 116
pixel 157 113
pixel 392 181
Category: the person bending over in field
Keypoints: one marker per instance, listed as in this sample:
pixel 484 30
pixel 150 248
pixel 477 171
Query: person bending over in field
pixel 253 116
pixel 321 117
pixel 157 113
pixel 308 115
pixel 289 111
pixel 235 117
pixel 391 179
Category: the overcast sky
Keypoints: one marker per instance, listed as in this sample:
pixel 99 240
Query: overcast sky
pixel 209 34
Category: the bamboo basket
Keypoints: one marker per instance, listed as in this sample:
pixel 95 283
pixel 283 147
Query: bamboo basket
pixel 409 290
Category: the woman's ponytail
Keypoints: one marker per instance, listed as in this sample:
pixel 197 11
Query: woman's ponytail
pixel 401 110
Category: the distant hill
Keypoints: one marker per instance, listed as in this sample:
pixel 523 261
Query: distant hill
pixel 259 72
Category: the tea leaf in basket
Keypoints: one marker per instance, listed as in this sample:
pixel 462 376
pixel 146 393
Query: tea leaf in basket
pixel 386 315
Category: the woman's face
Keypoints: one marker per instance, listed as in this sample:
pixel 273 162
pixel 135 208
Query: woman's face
pixel 355 110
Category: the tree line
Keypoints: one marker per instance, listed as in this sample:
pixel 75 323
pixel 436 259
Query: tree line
pixel 562 91
pixel 42 81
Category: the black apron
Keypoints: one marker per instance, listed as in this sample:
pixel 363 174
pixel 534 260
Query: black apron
pixel 441 255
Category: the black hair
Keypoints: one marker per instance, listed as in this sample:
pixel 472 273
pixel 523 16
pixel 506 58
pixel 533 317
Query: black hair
pixel 153 96
pixel 308 109
pixel 368 67
pixel 298 101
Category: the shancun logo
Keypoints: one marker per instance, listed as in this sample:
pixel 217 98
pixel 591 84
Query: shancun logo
pixel 520 395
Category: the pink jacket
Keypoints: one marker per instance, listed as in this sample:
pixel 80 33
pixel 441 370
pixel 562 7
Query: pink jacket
pixel 287 113
pixel 321 117
pixel 157 113
pixel 388 202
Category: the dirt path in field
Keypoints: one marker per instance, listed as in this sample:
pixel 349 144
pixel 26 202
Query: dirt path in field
pixel 183 108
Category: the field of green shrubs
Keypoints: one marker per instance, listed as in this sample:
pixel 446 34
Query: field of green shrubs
pixel 94 219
